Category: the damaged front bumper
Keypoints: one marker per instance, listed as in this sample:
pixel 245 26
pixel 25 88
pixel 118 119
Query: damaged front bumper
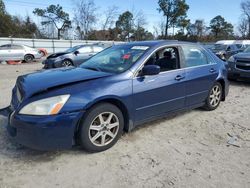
pixel 43 132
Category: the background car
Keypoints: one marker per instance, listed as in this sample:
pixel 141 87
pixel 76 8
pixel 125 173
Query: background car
pixel 239 65
pixel 73 56
pixel 17 52
pixel 114 91
pixel 224 51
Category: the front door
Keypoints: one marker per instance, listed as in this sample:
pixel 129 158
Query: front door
pixel 162 93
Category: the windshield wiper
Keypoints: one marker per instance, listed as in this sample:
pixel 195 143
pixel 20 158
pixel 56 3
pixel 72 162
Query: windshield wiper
pixel 93 68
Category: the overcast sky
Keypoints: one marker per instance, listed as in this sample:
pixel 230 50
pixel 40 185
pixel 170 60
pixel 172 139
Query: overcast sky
pixel 199 9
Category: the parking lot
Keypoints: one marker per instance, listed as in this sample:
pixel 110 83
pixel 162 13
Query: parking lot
pixel 189 149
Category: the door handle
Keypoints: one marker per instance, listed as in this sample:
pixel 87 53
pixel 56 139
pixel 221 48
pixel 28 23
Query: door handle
pixel 212 70
pixel 179 77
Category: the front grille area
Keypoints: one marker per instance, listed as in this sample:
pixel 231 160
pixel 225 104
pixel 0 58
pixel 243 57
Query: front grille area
pixel 247 68
pixel 243 61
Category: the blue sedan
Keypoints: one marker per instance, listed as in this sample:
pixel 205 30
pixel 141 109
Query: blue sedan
pixel 114 91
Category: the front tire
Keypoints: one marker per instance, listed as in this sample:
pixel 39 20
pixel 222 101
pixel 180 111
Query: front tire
pixel 67 63
pixel 101 127
pixel 214 98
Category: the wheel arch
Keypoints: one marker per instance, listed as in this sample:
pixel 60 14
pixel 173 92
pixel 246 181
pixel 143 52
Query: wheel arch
pixel 28 54
pixel 222 82
pixel 118 103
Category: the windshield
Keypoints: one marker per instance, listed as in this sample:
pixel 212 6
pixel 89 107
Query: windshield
pixel 70 50
pixel 219 47
pixel 116 59
pixel 247 50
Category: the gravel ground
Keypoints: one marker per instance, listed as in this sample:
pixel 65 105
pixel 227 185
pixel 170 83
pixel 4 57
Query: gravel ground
pixel 188 150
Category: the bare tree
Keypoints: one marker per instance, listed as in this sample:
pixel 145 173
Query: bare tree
pixel 245 7
pixel 139 22
pixel 243 27
pixel 85 17
pixel 159 29
pixel 140 19
pixel 110 16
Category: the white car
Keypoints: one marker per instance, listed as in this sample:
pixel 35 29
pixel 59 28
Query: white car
pixel 16 52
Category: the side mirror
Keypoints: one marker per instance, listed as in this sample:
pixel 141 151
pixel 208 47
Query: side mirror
pixel 150 70
pixel 76 52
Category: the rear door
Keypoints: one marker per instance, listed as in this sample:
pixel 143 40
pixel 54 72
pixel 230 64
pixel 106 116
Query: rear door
pixel 201 72
pixel 17 52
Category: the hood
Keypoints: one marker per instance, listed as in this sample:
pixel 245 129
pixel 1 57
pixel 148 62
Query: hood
pixel 55 55
pixel 242 55
pixel 44 80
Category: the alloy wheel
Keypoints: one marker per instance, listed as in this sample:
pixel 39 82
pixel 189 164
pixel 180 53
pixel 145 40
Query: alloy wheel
pixel 104 129
pixel 215 96
pixel 67 63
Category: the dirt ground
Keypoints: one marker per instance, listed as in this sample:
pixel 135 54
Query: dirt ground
pixel 188 150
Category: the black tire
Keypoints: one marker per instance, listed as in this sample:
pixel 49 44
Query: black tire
pixel 210 105
pixel 86 133
pixel 67 63
pixel 28 58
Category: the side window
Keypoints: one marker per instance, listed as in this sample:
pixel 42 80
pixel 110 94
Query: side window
pixel 167 59
pixel 16 47
pixel 86 49
pixel 5 47
pixel 194 56
pixel 97 49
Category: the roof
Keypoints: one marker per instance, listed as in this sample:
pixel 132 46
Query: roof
pixel 155 43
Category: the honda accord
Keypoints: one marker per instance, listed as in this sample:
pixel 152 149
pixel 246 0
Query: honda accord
pixel 114 91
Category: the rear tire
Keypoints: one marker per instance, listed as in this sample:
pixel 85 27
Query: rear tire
pixel 214 98
pixel 101 127
pixel 28 58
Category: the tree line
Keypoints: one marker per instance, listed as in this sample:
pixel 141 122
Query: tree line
pixel 127 26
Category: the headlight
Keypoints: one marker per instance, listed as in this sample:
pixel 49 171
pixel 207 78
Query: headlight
pixel 48 106
pixel 231 59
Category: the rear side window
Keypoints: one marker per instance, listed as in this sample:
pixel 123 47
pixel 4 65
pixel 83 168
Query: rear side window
pixel 16 47
pixel 97 49
pixel 194 56
pixel 4 47
pixel 86 49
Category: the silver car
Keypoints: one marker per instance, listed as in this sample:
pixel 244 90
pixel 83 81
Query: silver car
pixel 16 52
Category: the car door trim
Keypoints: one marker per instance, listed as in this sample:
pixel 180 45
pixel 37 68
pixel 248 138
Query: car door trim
pixel 159 103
